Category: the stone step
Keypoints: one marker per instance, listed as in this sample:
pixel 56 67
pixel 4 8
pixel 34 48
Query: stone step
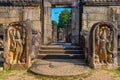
pixel 118 48
pixel 62 51
pixel 61 56
pixel 61 47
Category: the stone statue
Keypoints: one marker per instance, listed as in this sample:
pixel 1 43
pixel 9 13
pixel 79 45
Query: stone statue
pixel 104 44
pixel 16 45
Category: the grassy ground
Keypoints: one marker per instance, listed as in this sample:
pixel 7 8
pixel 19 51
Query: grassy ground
pixel 94 74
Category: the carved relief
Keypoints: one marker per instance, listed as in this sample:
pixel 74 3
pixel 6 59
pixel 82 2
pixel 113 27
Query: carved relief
pixel 104 44
pixel 18 45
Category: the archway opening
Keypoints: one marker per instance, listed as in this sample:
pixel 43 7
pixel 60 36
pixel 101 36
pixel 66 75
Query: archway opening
pixel 61 24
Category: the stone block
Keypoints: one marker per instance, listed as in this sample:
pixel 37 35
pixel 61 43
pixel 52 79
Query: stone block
pixel 95 9
pixel 91 23
pixel 88 24
pixel 97 17
pixel 4 15
pixel 4 10
pixel 32 14
pixel 84 25
pixel 13 20
pixel 14 13
pixel 36 26
pixel 2 20
pixel 84 16
pixel 118 17
pixel 118 11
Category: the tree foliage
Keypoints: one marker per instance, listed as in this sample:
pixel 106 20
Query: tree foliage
pixel 64 18
pixel 54 23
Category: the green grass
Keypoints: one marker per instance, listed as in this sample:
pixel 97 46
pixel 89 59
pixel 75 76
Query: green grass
pixel 112 70
pixel 63 79
pixel 118 70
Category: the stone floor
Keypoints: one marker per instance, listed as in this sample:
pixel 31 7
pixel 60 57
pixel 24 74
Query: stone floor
pixel 60 67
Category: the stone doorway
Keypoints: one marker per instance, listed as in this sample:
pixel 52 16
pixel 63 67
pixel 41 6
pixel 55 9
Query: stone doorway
pixel 47 36
pixel 61 24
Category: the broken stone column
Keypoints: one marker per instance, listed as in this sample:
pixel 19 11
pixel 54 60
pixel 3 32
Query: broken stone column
pixel 17 45
pixel 103 46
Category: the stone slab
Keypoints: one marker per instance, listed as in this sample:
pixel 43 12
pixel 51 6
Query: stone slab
pixel 60 67
pixel 32 13
pixel 95 9
pixel 14 13
pixel 98 17
pixel 4 15
pixel 37 26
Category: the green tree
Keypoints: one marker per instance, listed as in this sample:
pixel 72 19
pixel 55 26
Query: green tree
pixel 64 18
pixel 54 23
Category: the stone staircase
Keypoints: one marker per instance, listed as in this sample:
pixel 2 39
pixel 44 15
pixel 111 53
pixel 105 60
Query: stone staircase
pixel 61 51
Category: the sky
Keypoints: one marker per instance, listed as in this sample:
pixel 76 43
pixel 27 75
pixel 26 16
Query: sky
pixel 56 12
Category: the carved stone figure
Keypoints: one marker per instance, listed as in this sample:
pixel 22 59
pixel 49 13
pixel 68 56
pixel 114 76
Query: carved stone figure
pixel 16 45
pixel 104 45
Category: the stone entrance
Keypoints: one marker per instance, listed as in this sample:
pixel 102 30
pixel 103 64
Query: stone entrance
pixel 47 29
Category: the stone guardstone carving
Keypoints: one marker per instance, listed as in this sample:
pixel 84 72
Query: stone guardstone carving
pixel 103 46
pixel 18 45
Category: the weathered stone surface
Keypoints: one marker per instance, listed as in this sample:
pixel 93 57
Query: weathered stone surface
pixel 88 24
pixel 18 45
pixel 4 9
pixel 84 16
pixel 36 26
pixel 36 42
pixel 91 23
pixel 14 13
pixel 47 25
pixel 98 10
pixel 4 15
pixel 13 19
pixel 2 20
pixel 32 13
pixel 118 11
pixel 103 46
pixel 59 67
pixel 75 25
pixel 97 17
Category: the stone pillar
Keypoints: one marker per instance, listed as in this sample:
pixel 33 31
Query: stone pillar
pixel 47 23
pixel 75 23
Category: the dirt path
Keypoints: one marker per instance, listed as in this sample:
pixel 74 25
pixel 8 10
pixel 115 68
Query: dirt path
pixel 103 75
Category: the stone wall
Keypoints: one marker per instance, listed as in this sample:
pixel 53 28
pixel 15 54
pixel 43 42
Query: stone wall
pixel 94 14
pixel 12 14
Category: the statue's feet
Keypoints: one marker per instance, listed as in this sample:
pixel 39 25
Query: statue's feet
pixel 19 62
pixel 11 62
pixel 14 62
